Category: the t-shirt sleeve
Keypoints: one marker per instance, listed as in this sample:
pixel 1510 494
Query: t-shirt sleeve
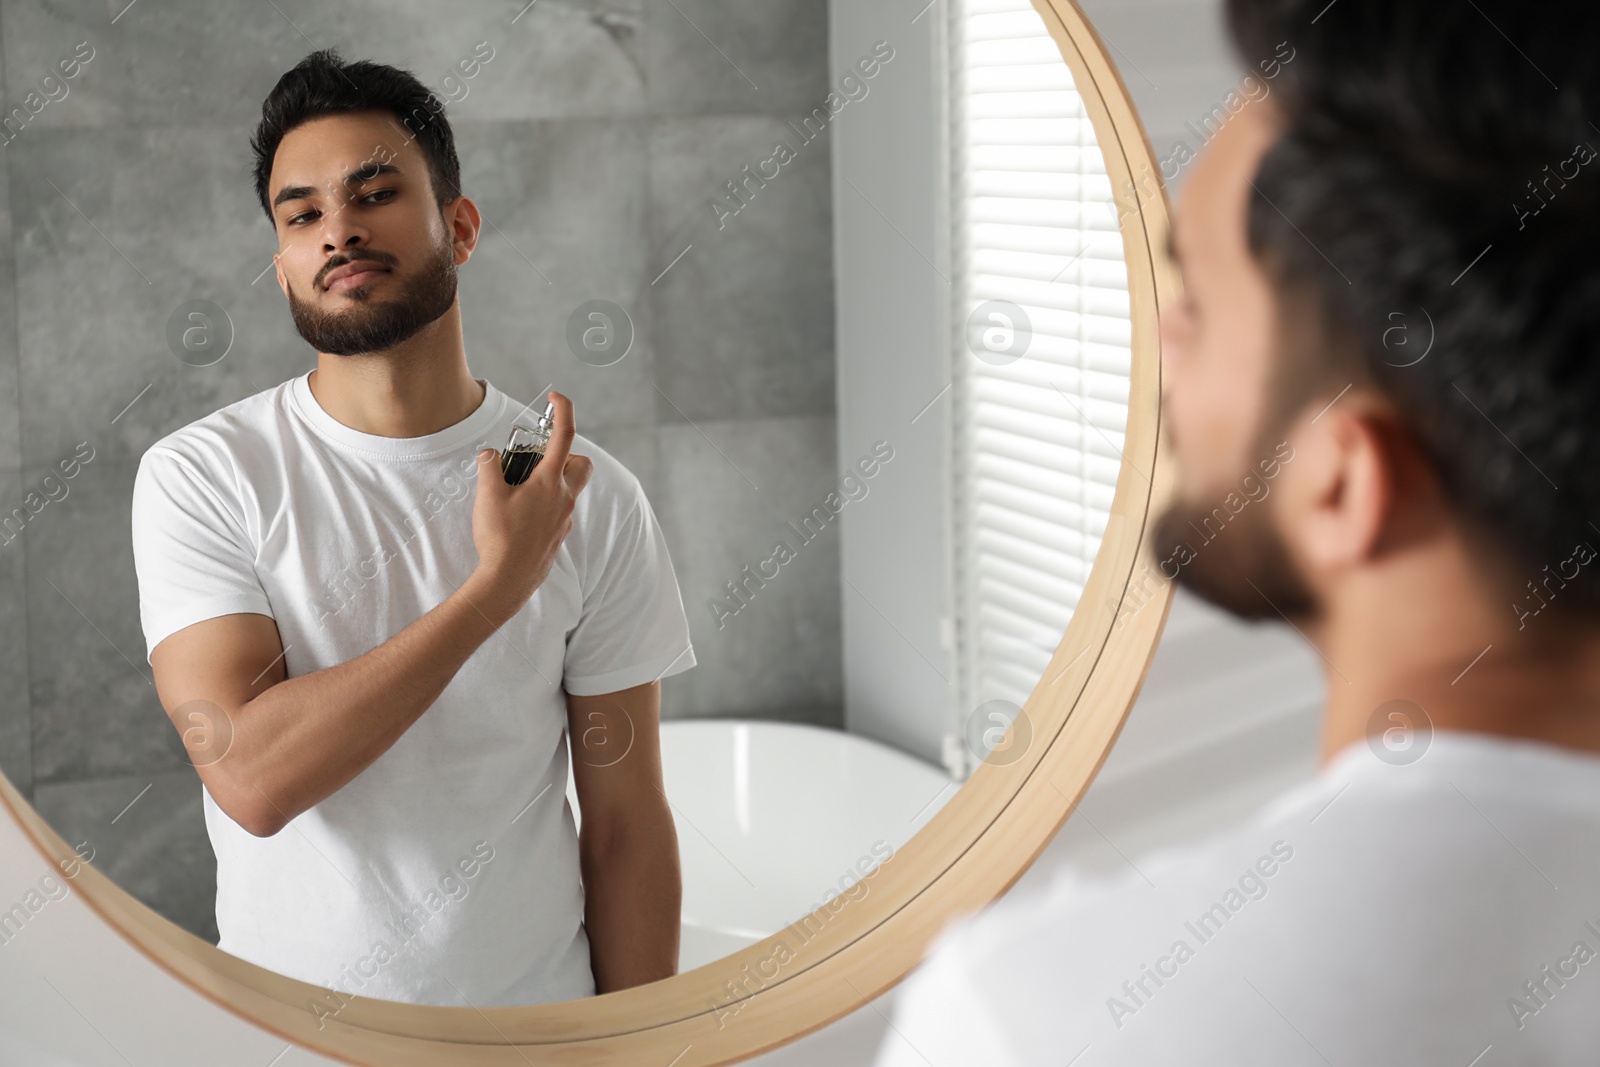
pixel 191 554
pixel 633 628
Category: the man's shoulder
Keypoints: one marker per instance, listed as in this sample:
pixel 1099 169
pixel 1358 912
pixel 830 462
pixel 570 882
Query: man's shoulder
pixel 1361 834
pixel 606 465
pixel 612 487
pixel 1084 906
pixel 236 429
pixel 1375 870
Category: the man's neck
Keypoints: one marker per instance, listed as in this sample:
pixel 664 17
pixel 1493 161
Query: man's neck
pixel 1445 648
pixel 415 389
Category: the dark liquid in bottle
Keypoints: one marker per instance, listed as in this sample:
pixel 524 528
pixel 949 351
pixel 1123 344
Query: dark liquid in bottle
pixel 518 463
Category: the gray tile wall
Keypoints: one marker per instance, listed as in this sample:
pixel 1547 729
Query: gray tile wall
pixel 593 142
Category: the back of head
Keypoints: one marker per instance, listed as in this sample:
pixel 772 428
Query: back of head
pixel 1436 199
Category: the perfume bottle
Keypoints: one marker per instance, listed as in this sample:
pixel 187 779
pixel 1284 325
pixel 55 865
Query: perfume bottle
pixel 526 446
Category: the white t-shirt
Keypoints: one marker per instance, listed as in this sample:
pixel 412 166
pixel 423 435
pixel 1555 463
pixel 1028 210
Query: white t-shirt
pixel 1378 914
pixel 451 862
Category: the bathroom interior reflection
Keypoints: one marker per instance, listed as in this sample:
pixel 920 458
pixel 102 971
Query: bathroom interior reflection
pixel 874 387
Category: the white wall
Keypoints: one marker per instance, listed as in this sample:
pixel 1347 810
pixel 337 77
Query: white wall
pixel 891 299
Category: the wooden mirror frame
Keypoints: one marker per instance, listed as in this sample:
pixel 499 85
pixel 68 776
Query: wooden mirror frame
pixel 853 948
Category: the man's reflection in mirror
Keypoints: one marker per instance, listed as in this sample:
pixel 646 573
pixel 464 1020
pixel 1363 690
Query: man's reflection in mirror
pixel 376 649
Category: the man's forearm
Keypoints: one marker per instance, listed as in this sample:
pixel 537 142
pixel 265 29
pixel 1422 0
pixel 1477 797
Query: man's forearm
pixel 306 737
pixel 633 902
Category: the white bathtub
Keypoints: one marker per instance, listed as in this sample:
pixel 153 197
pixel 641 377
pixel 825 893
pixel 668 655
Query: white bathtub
pixel 772 815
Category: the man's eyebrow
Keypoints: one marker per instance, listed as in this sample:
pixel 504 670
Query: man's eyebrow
pixel 363 174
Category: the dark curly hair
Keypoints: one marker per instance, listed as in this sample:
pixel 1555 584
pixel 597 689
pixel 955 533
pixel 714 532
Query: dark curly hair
pixel 1438 174
pixel 324 84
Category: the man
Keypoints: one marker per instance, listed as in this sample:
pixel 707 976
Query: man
pixel 364 633
pixel 1391 310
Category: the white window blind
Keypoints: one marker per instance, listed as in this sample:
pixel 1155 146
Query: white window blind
pixel 1037 437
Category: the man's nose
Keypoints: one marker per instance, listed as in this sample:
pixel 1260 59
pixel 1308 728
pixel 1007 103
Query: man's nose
pixel 342 230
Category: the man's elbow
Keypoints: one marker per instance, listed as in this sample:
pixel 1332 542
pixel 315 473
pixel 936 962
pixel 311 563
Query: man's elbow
pixel 262 824
pixel 256 817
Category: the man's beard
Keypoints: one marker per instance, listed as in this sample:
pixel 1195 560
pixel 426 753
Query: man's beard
pixel 1244 568
pixel 368 326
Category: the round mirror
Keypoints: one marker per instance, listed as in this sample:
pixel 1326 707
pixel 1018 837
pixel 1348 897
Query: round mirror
pixel 852 312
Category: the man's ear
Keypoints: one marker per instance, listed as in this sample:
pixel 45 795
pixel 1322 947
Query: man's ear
pixel 277 264
pixel 465 223
pixel 1349 461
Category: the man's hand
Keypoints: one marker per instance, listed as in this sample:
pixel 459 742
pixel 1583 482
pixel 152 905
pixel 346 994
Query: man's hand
pixel 517 529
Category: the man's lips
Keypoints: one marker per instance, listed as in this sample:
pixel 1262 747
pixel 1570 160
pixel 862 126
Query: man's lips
pixel 353 274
